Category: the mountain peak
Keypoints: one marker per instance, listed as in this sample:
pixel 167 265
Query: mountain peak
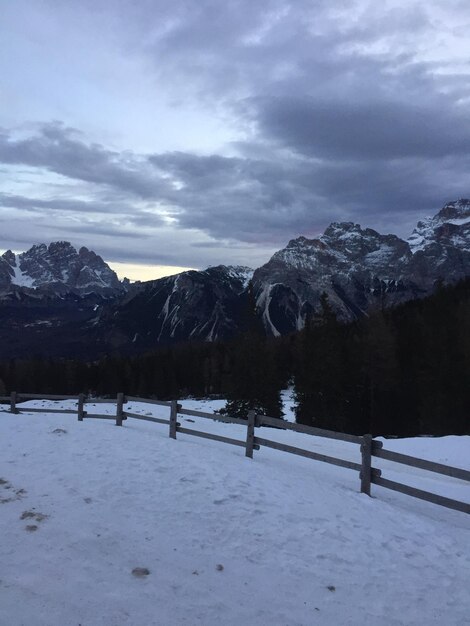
pixel 9 257
pixel 302 242
pixel 458 209
pixel 342 231
pixel 452 220
pixel 239 273
pixel 60 245
pixel 58 267
pixel 38 248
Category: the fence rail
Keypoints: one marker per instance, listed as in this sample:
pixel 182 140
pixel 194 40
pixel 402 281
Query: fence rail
pixel 276 445
pixel 430 466
pixel 309 430
pixel 422 495
pixel 369 447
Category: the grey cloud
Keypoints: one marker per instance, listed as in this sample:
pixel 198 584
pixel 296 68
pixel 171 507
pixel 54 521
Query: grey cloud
pixel 102 229
pixel 364 130
pixel 205 244
pixel 267 198
pixel 58 149
pixel 233 197
pixel 271 200
pixel 340 117
pixel 64 205
pixel 156 248
pixel 224 51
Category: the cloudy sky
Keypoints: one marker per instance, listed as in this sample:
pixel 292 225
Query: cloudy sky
pixel 189 133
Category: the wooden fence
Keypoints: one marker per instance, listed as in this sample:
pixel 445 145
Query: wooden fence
pixel 368 446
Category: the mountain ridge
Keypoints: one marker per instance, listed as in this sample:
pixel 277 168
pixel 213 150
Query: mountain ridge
pixel 58 267
pixel 358 268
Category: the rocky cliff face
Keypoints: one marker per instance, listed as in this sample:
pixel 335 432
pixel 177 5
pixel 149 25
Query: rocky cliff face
pixel 441 246
pixel 194 305
pixel 353 266
pixel 57 268
pixel 362 270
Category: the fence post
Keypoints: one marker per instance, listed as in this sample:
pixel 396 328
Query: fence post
pixel 119 409
pixel 366 471
pixel 173 418
pixel 250 434
pixel 13 399
pixel 81 404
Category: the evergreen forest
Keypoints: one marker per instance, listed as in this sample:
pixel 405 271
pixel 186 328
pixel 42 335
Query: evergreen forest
pixel 398 372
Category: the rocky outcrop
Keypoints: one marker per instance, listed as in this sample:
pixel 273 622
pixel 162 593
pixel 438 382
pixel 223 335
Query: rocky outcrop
pixel 193 305
pixel 57 268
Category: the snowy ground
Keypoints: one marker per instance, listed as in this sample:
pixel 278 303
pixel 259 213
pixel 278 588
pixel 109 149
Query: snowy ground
pixel 277 540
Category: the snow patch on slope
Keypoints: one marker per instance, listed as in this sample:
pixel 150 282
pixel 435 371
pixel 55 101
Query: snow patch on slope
pixel 263 302
pixel 21 279
pixel 241 273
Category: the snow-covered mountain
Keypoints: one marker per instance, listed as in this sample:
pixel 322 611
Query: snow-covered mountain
pixel 360 270
pixel 58 268
pixel 451 227
pixel 353 266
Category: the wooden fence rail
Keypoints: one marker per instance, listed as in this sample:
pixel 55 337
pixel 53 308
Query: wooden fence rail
pixel 369 447
pixel 430 466
pixel 276 445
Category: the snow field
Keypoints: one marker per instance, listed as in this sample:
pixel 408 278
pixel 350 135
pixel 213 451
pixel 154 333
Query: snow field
pixel 277 540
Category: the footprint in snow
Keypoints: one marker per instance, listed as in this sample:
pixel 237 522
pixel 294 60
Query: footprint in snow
pixel 18 493
pixel 33 515
pixel 140 572
pixel 31 528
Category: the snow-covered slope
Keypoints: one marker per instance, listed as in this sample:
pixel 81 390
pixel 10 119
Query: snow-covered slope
pixel 277 540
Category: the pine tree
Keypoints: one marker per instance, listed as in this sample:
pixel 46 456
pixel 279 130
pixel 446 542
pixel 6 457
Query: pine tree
pixel 254 383
pixel 320 376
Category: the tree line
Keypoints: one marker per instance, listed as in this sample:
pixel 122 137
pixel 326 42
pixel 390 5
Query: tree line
pixel 403 371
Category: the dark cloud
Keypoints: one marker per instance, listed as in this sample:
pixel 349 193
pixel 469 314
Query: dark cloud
pixel 243 198
pixel 343 111
pixel 266 198
pixel 339 50
pixel 60 149
pixel 64 205
pixel 103 230
pixel 365 130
